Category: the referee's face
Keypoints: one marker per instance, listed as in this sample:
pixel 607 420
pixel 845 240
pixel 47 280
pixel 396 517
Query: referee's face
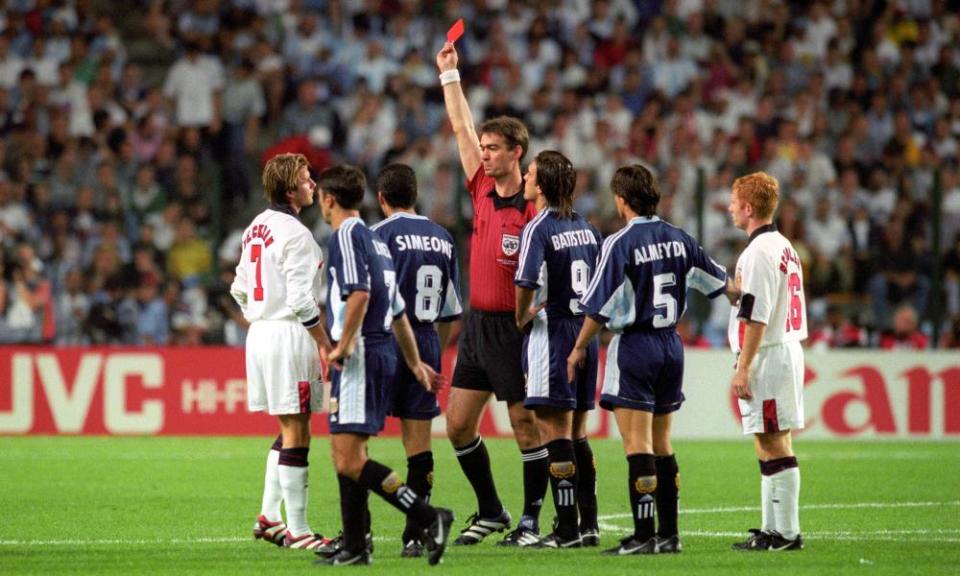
pixel 497 158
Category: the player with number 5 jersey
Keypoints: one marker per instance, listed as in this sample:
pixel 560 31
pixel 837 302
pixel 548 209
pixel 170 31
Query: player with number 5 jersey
pixel 639 293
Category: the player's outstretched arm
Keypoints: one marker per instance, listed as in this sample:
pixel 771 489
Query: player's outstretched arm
pixel 458 111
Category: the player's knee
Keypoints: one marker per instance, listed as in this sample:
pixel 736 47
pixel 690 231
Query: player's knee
pixel 645 485
pixel 459 432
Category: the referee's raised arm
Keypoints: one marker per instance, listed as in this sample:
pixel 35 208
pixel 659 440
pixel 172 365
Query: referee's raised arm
pixel 458 110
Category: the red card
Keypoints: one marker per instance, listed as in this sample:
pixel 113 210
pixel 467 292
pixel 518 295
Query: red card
pixel 455 31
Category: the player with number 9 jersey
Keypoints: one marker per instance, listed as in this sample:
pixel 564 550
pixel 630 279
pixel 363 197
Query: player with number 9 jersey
pixel 557 257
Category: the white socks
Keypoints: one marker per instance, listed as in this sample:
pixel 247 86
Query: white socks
pixel 293 484
pixel 786 502
pixel 272 495
pixel 768 519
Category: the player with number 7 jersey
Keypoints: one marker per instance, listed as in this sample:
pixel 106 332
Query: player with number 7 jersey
pixel 277 285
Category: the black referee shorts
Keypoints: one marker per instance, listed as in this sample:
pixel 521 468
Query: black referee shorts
pixel 489 356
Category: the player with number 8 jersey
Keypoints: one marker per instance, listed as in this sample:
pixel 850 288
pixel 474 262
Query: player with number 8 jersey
pixel 428 279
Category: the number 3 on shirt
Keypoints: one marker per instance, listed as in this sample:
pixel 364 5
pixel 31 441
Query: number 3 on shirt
pixel 255 253
pixel 795 314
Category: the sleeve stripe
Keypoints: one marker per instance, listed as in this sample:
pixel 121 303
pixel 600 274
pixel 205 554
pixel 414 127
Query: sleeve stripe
pixel 704 282
pixel 604 255
pixel 350 275
pixel 311 322
pixel 525 241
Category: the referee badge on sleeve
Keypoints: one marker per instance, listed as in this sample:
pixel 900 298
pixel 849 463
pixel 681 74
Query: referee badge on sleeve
pixel 509 243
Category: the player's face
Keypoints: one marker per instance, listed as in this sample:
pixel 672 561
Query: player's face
pixel 326 205
pixel 498 159
pixel 530 188
pixel 305 190
pixel 738 211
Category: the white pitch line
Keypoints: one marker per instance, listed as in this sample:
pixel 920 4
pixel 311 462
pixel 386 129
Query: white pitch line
pixel 848 506
pixel 937 535
pixel 146 542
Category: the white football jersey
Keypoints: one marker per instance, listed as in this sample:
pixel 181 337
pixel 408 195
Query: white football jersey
pixel 278 277
pixel 771 286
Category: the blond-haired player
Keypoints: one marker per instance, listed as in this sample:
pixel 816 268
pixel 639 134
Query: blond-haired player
pixel 766 328
pixel 277 286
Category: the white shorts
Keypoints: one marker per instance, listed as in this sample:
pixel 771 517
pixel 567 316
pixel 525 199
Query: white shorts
pixel 776 381
pixel 283 369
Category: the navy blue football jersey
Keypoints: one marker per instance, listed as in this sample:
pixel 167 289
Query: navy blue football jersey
pixel 557 259
pixel 358 260
pixel 428 275
pixel 644 272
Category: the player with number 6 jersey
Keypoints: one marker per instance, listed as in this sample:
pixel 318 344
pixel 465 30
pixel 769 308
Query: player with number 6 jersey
pixel 765 331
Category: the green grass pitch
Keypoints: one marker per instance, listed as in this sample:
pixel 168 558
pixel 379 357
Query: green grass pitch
pixel 186 506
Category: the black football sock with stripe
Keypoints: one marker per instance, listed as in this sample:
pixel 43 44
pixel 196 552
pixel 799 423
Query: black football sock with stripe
pixel 586 484
pixel 388 485
pixel 475 462
pixel 667 495
pixel 643 484
pixel 536 478
pixel 563 483
pixel 420 480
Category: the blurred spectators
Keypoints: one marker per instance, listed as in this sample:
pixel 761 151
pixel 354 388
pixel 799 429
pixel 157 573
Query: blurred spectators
pixel 131 136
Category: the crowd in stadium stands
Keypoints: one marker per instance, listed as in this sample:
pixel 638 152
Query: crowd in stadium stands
pixel 132 136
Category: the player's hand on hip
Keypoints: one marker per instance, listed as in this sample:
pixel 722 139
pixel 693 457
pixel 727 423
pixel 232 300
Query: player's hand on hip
pixel 447 58
pixel 740 386
pixel 575 361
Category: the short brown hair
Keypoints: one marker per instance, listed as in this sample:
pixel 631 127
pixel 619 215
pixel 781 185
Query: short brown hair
pixel 514 132
pixel 280 176
pixel 345 183
pixel 760 190
pixel 638 187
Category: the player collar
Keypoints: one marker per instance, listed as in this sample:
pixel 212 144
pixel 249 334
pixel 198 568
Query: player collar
pixel 285 208
pixel 398 215
pixel 645 219
pixel 761 230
